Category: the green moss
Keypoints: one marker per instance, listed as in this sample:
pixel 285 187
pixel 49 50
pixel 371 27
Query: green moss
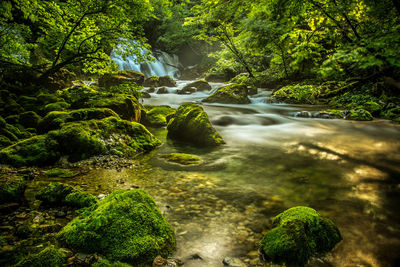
pixel 12 119
pixel 392 114
pixel 29 119
pixel 49 257
pixel 56 172
pixel 181 158
pixel 12 191
pixel 230 94
pixel 58 106
pixel 297 94
pixel 125 226
pixel 191 124
pixel 55 119
pixel 62 194
pixel 152 81
pixel 166 81
pixel 2 122
pixel 337 113
pixel 372 107
pixel 35 151
pixel 297 235
pixel 200 85
pixel 106 263
pixel 4 142
pixel 122 77
pixel 157 116
pixel 360 115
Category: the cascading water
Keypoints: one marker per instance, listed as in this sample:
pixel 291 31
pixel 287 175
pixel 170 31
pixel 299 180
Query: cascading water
pixel 164 64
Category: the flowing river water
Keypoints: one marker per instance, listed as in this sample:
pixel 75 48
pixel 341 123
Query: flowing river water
pixel 347 170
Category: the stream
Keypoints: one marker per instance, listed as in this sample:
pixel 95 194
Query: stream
pixel 346 170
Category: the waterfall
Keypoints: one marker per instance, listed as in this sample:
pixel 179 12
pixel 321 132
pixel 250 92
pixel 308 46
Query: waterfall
pixel 164 64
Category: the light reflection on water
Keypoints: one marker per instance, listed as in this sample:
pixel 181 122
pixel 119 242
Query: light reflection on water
pixel 348 171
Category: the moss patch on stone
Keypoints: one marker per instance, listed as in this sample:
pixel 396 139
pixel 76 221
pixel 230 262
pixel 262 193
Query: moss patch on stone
pixel 230 94
pixel 126 226
pixel 200 85
pixel 58 106
pixel 181 158
pixel 157 116
pixel 12 189
pixel 63 173
pixel 297 94
pixel 360 115
pixel 297 235
pixel 39 150
pixel 62 194
pixel 152 81
pixel 49 256
pixel 191 124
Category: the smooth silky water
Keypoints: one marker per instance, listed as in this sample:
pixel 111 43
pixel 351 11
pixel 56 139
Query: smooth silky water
pixel 347 170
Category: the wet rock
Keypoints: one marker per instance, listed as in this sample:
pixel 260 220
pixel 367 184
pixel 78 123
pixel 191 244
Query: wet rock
pixel 122 77
pixel 297 235
pixel 145 95
pixel 191 124
pixel 162 90
pixel 159 262
pixel 230 94
pixel 231 262
pixel 152 81
pixel 156 116
pixel 181 158
pixel 200 85
pixel 166 81
pixel 186 91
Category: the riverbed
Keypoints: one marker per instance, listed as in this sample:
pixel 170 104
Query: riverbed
pixel 272 160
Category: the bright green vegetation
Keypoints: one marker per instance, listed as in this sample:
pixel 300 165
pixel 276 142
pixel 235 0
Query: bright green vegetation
pixel 58 106
pixel 298 94
pixel 49 256
pixel 191 124
pixel 181 158
pixel 12 190
pixel 157 116
pixel 230 94
pixel 360 115
pixel 56 172
pixel 126 78
pixel 298 234
pixel 126 226
pixel 62 194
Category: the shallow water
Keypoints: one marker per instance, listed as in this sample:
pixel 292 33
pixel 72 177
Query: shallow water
pixel 347 170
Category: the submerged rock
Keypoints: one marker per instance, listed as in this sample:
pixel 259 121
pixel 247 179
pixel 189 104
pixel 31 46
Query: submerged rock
pixel 63 173
pixel 62 194
pixel 181 158
pixel 126 226
pixel 191 124
pixel 297 235
pixel 230 94
pixel 49 256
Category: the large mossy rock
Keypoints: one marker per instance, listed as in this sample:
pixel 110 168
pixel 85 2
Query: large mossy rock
pixel 166 81
pixel 29 119
pixel 58 194
pixel 126 226
pixel 230 94
pixel 36 151
pixel 297 235
pixel 191 124
pixel 200 85
pixel 53 120
pixel 81 140
pixel 157 116
pixel 12 188
pixel 49 256
pixel 122 77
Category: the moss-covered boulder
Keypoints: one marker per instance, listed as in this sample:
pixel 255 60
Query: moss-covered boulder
pixel 77 95
pixel 152 81
pixel 62 194
pixel 57 106
pixel 200 85
pixel 166 81
pixel 122 77
pixel 36 151
pixel 360 115
pixel 126 226
pixel 297 94
pixel 181 158
pixel 49 257
pixel 54 120
pixel 12 188
pixel 157 116
pixel 191 124
pixel 297 235
pixel 372 107
pixel 29 119
pixel 84 139
pixel 230 94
